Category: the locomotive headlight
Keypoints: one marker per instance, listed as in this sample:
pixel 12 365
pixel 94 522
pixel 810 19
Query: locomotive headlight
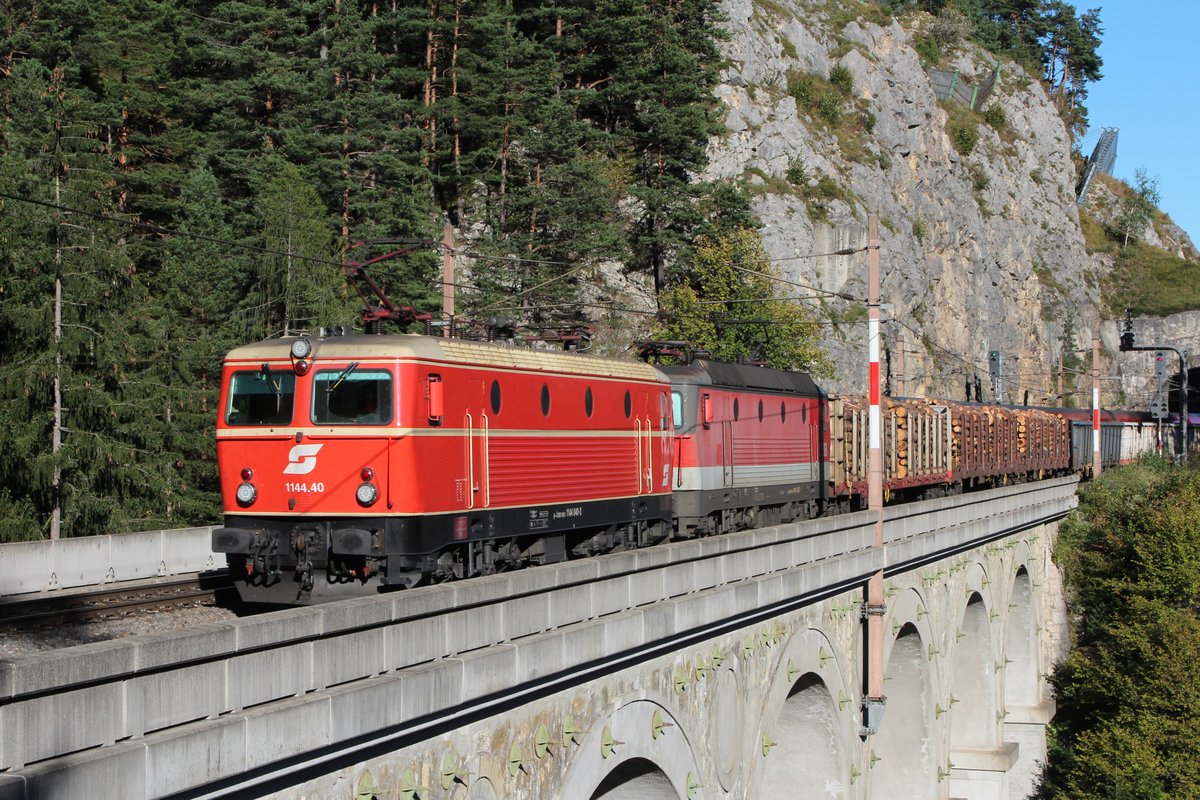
pixel 246 494
pixel 367 494
pixel 301 348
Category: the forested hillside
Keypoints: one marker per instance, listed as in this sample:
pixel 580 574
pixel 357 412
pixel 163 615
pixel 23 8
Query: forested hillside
pixel 178 177
pixel 1126 723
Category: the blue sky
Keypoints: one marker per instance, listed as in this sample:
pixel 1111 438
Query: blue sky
pixel 1150 92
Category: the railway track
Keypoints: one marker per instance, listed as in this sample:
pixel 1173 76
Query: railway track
pixel 110 601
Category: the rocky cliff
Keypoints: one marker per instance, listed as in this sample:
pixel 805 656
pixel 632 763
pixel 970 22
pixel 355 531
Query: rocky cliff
pixel 980 246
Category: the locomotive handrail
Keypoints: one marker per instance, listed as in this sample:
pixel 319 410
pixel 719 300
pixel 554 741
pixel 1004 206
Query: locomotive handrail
pixel 469 421
pixel 486 472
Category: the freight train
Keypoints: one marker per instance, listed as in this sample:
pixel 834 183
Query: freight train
pixel 350 464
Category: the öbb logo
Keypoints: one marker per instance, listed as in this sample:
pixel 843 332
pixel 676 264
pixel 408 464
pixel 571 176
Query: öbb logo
pixel 302 459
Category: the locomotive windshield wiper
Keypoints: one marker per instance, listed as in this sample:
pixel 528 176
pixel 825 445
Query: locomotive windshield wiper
pixel 344 374
pixel 276 387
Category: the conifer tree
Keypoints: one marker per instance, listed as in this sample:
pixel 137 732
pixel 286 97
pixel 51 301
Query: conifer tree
pixel 298 277
pixel 73 388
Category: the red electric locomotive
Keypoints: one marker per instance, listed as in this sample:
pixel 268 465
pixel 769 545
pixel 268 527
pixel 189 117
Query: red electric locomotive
pixel 750 446
pixel 356 462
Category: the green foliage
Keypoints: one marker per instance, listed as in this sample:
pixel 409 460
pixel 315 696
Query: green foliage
pixel 1137 207
pixel 842 79
pixel 920 229
pixel 803 87
pixel 728 302
pixel 842 14
pixel 994 115
pixel 928 49
pixel 1047 37
pixel 773 8
pixel 1128 714
pixel 1151 281
pixel 300 288
pixel 964 135
pixel 817 198
pixel 962 126
pixel 829 105
pixel 797 171
pixel 979 178
pixel 951 27
pixel 829 108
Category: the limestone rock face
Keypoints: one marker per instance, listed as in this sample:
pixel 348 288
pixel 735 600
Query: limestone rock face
pixel 978 252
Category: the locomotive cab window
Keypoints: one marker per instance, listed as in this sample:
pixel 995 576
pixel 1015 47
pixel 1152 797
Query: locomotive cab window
pixel 352 396
pixel 677 409
pixel 261 397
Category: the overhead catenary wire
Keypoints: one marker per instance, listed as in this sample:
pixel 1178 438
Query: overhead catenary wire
pixel 498 305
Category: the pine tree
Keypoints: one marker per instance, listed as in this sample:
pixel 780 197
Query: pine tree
pixel 73 397
pixel 299 278
pixel 202 283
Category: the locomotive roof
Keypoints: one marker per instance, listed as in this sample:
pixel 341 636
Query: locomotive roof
pixel 744 376
pixel 416 346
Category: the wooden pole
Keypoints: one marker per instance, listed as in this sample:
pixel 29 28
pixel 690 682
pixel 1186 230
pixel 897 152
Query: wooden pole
pixel 447 277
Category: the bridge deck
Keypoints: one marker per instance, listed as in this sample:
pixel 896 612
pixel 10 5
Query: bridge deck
pixel 120 719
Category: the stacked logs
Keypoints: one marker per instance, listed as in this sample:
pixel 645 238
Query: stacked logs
pixel 899 410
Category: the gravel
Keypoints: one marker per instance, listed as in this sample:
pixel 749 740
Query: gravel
pixel 26 642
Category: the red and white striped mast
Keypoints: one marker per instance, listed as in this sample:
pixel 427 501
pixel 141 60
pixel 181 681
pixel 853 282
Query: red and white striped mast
pixel 1095 406
pixel 873 703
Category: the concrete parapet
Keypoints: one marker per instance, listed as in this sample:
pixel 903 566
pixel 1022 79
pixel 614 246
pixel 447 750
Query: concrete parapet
pixel 48 566
pixel 998 759
pixel 1041 714
pixel 53 724
pixel 179 759
pixel 417 641
pixel 430 688
pixel 570 605
pixel 271 730
pixel 153 702
pixel 364 706
pixel 110 773
pixel 351 656
pixel 265 675
pixel 87 663
pixel 471 628
pixel 610 595
pixel 547 653
pixel 278 628
pixel 526 615
pixel 171 648
pixel 489 671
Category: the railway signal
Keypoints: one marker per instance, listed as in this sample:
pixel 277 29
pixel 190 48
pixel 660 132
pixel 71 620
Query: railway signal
pixel 996 371
pixel 1158 406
